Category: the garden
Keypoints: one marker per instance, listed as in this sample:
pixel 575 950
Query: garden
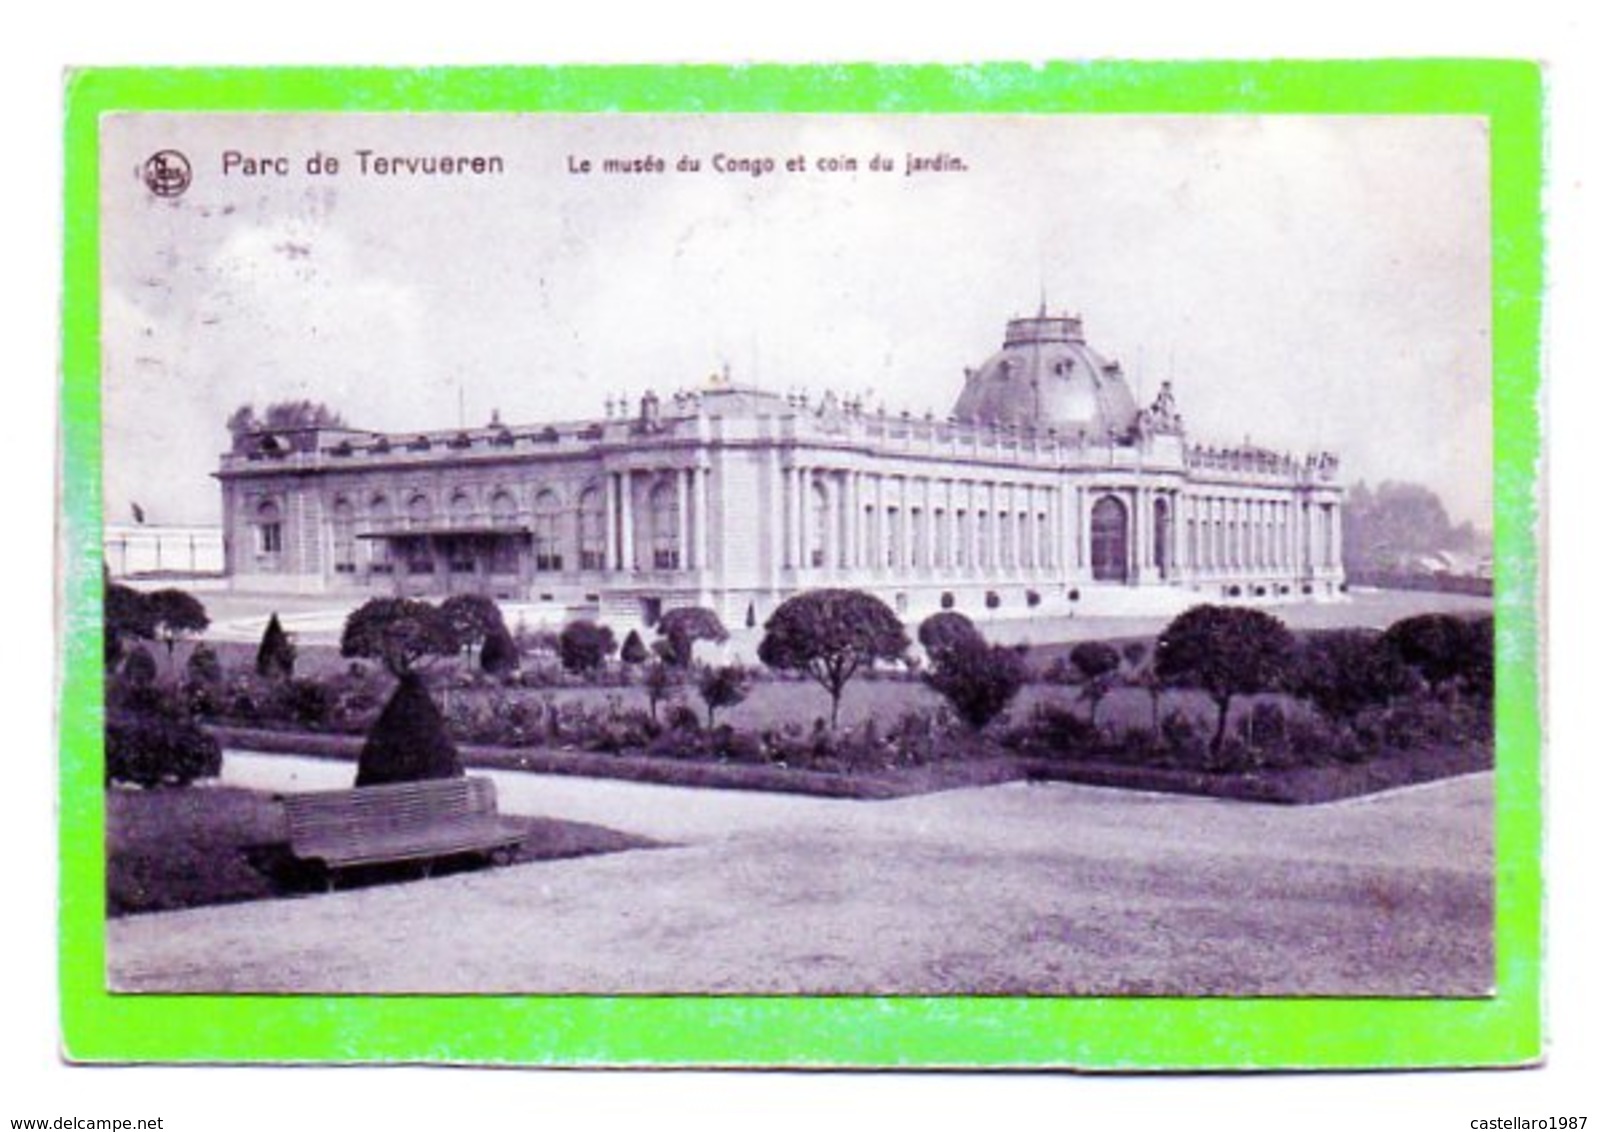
pixel 1224 701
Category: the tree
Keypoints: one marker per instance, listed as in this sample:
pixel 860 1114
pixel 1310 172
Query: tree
pixel 400 632
pixel 274 659
pixel 722 686
pixel 408 742
pixel 977 679
pixel 176 615
pixel 1225 651
pixel 1096 663
pixel 947 630
pixel 683 627
pixel 128 617
pixel 1345 671
pixel 1436 645
pixel 829 635
pixel 584 646
pixel 301 414
pixel 633 650
pixel 473 618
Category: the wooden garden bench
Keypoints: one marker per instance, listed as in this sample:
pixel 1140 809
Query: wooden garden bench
pixel 409 821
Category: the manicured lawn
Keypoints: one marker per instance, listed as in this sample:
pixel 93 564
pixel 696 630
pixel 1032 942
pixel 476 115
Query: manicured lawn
pixel 168 849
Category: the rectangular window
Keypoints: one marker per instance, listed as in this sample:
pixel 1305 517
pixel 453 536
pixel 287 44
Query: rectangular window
pixel 271 538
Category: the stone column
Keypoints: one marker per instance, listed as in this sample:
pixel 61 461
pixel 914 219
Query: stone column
pixel 701 522
pixel 684 492
pixel 629 558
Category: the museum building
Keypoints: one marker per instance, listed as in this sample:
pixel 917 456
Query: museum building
pixel 1047 491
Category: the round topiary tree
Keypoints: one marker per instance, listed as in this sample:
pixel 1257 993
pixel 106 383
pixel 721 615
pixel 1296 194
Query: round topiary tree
pixel 400 632
pixel 829 635
pixel 274 659
pixel 977 679
pixel 1439 646
pixel 947 630
pixel 203 667
pixel 128 618
pixel 684 627
pixel 473 618
pixel 176 615
pixel 1226 651
pixel 1345 671
pixel 584 646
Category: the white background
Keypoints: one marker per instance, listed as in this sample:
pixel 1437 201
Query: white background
pixel 40 43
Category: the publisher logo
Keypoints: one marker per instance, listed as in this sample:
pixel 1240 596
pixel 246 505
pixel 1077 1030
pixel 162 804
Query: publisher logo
pixel 167 173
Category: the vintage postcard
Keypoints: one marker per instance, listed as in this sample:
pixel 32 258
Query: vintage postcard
pixel 1004 566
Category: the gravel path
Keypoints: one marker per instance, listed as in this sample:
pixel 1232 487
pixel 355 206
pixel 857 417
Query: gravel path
pixel 1014 889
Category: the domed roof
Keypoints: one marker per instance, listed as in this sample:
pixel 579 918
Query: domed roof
pixel 1047 377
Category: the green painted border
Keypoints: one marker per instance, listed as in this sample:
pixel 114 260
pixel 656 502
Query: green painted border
pixel 1104 1034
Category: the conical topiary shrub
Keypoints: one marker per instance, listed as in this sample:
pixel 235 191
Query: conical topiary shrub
pixel 409 742
pixel 274 660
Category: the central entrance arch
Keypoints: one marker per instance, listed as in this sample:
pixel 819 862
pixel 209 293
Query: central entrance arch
pixel 1109 558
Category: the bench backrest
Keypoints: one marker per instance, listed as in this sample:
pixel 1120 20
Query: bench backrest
pixel 338 814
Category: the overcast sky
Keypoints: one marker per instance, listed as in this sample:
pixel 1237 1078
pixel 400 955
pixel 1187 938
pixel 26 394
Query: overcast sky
pixel 1307 283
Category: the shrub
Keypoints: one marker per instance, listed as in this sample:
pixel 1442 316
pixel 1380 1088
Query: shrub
pixel 977 679
pixel 947 630
pixel 499 656
pixel 584 646
pixel 307 703
pixel 1343 672
pixel 992 599
pixel 1182 735
pixel 409 742
pixel 947 600
pixel 1033 598
pixel 152 750
pixel 204 667
pixel 274 659
pixel 633 650
pixel 1445 649
pixel 1055 729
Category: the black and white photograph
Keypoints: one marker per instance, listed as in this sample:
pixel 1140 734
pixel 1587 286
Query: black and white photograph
pixel 779 554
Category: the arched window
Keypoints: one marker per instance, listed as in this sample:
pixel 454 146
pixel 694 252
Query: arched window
pixel 664 518
pixel 461 511
pixel 1109 563
pixel 380 518
pixel 419 510
pixel 820 524
pixel 269 529
pixel 504 555
pixel 590 529
pixel 502 508
pixel 548 548
pixel 343 536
